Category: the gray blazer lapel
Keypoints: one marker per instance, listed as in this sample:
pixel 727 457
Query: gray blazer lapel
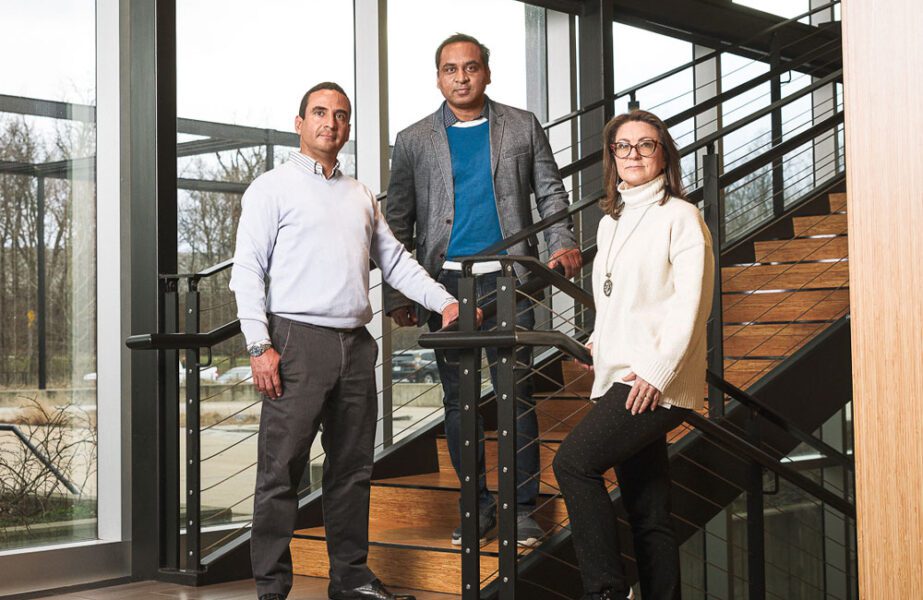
pixel 442 154
pixel 496 121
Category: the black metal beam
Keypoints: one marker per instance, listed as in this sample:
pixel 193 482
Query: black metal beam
pixel 769 414
pixel 139 92
pixel 746 449
pixel 719 25
pixel 756 115
pixel 40 295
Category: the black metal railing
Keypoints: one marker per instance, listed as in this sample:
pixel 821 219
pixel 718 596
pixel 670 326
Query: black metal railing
pixel 715 185
pixel 506 339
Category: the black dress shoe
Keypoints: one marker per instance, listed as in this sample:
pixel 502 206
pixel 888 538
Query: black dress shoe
pixel 272 597
pixel 370 591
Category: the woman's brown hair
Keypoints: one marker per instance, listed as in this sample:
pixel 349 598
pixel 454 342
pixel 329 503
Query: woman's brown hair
pixel 673 183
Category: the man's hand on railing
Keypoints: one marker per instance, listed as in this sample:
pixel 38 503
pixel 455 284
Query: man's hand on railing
pixel 642 396
pixel 404 316
pixel 569 258
pixel 265 368
pixel 450 315
pixel 583 365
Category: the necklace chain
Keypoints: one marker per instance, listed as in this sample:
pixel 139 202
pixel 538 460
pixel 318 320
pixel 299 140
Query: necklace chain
pixel 610 264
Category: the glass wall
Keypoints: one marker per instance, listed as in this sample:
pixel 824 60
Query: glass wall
pixel 412 92
pixel 666 97
pixel 241 75
pixel 415 391
pixel 48 431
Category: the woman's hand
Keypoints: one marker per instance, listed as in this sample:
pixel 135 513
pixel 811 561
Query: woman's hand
pixel 643 395
pixel 583 365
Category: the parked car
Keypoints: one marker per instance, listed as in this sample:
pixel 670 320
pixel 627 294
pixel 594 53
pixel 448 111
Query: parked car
pixel 235 374
pixel 206 374
pixel 414 366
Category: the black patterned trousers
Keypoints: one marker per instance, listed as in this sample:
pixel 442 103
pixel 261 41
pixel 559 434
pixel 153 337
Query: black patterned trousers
pixel 610 436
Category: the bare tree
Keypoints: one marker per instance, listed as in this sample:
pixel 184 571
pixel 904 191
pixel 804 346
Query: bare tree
pixel 30 493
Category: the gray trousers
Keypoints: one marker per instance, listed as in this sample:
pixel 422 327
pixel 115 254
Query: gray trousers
pixel 328 377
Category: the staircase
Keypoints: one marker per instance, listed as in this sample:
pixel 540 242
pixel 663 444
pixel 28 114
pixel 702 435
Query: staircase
pixel 792 289
pixel 784 326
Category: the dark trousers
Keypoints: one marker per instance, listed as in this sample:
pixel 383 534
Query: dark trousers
pixel 527 450
pixel 610 436
pixel 328 377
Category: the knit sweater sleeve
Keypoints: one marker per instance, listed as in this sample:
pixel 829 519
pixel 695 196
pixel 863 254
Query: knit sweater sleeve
pixel 692 274
pixel 256 236
pixel 401 271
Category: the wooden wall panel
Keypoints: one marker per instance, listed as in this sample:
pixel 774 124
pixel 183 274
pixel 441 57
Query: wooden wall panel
pixel 883 55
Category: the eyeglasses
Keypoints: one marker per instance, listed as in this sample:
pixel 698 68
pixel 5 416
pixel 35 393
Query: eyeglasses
pixel 645 148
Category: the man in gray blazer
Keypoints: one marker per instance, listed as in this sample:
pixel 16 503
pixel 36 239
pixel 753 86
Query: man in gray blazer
pixel 461 181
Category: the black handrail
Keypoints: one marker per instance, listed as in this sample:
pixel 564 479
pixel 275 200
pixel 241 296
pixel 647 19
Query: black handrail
pixel 774 153
pixel 633 90
pixel 755 116
pixel 183 341
pixel 594 157
pixel 748 85
pixel 41 457
pixel 762 409
pixel 761 457
pixel 510 339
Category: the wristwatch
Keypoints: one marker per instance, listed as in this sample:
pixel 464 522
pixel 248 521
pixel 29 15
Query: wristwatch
pixel 258 348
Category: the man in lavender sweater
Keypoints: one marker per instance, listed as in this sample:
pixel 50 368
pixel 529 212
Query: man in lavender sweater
pixel 301 280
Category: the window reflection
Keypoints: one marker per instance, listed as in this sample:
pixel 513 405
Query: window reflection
pixel 47 274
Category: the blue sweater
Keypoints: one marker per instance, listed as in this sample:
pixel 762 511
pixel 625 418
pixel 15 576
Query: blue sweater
pixel 477 224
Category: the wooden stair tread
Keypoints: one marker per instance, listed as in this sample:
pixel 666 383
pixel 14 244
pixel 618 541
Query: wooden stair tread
pixel 838 201
pixel 421 536
pixel 785 276
pixel 742 373
pixel 820 224
pixel 807 305
pixel 400 566
pixel 768 340
pixel 801 249
pixel 445 479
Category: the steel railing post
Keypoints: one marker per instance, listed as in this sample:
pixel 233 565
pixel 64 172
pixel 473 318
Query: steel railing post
pixel 169 433
pixel 714 219
pixel 193 448
pixel 507 401
pixel 468 394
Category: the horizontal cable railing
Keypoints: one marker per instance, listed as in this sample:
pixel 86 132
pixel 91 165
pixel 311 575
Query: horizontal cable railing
pixel 222 330
pixel 736 444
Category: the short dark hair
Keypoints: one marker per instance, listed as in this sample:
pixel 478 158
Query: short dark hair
pixel 323 85
pixel 463 37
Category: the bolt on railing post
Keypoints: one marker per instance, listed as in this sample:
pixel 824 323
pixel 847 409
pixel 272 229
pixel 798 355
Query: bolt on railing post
pixel 169 425
pixel 468 395
pixel 193 455
pixel 714 219
pixel 507 401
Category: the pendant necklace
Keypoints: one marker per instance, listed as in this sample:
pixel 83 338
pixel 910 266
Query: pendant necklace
pixel 607 284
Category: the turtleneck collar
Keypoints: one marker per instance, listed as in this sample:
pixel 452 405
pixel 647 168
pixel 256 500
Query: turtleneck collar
pixel 642 195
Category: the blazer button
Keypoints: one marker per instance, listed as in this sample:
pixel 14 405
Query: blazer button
pixel 448 221
pixel 441 255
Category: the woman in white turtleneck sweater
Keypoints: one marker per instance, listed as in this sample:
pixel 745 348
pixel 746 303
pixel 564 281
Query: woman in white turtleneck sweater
pixel 652 284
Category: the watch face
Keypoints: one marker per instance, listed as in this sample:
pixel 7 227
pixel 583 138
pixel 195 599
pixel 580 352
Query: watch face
pixel 258 350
